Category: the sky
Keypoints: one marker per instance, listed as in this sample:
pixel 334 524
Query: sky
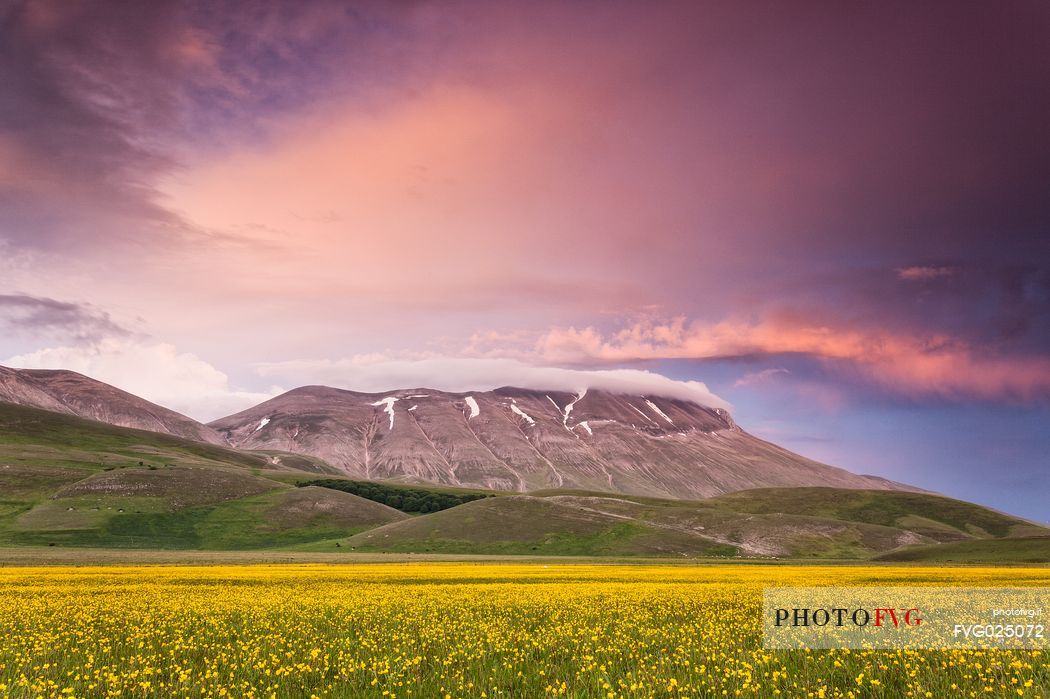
pixel 832 218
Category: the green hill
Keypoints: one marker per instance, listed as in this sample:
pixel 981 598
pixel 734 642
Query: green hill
pixel 29 436
pixel 68 481
pixel 1027 549
pixel 846 524
pixel 935 516
pixel 528 525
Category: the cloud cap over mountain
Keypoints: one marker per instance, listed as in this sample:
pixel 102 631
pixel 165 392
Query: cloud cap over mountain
pixel 460 375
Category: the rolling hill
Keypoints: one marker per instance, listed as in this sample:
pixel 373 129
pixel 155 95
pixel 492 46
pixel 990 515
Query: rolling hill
pixel 937 517
pixel 66 480
pixel 1019 550
pixel 576 523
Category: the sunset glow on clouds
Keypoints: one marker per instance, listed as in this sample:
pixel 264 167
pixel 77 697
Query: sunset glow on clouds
pixel 209 202
pixel 938 366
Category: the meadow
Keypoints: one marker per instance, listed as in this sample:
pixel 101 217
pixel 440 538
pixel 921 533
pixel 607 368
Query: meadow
pixel 461 629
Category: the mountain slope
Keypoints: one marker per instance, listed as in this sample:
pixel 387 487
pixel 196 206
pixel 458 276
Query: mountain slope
pixel 46 438
pixel 75 394
pixel 43 451
pixel 1020 550
pixel 938 517
pixel 525 440
pixel 71 481
pixel 593 524
pixel 522 524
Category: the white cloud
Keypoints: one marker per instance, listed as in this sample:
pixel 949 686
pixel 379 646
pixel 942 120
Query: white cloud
pixel 760 377
pixel 374 375
pixel 155 371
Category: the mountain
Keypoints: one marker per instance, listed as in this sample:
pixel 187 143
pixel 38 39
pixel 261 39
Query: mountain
pixel 71 393
pixel 508 439
pixel 525 440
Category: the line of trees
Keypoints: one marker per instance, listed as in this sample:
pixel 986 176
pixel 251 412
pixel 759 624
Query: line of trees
pixel 399 497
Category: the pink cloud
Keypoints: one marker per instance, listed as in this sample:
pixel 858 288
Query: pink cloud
pixel 924 273
pixel 933 365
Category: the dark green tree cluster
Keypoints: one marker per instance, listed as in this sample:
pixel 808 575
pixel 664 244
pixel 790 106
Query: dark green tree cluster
pixel 399 497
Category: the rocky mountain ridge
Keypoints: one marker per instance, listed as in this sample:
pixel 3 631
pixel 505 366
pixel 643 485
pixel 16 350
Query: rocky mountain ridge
pixel 523 440
pixel 70 393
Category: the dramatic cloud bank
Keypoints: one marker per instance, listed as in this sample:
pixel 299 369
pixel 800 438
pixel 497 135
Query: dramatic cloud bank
pixel 931 365
pixel 460 375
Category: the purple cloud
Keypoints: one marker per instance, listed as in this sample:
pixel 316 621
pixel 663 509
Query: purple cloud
pixel 48 317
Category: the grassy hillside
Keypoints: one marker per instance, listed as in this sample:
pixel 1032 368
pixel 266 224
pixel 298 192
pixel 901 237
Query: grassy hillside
pixel 66 481
pixel 568 523
pixel 528 526
pixel 607 525
pixel 937 517
pixel 139 508
pixel 1028 549
pixel 32 436
pixel 274 519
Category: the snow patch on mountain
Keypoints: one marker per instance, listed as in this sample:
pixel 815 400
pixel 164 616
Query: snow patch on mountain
pixel 641 413
pixel 389 409
pixel 659 412
pixel 518 411
pixel 569 407
pixel 262 423
pixel 475 410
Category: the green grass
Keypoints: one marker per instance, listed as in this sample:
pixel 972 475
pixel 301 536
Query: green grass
pixel 84 512
pixel 610 541
pixel 1032 549
pixel 29 435
pixel 272 519
pixel 640 499
pixel 65 481
pixel 937 517
pixel 564 523
pixel 527 526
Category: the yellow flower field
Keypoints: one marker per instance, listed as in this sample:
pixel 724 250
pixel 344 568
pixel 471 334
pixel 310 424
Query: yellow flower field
pixel 461 630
